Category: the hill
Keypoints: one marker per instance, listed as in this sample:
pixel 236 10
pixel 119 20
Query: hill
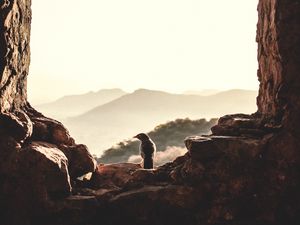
pixel 175 105
pixel 73 105
pixel 142 110
pixel 169 140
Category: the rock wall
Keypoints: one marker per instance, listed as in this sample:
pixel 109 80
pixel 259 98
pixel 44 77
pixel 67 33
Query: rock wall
pixel 14 53
pixel 38 158
pixel 247 172
pixel 278 32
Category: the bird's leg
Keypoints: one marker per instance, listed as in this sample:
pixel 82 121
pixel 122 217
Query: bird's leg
pixel 148 163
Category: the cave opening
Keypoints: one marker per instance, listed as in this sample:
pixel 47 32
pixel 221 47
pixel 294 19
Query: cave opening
pixel 245 172
pixel 161 40
pixel 166 46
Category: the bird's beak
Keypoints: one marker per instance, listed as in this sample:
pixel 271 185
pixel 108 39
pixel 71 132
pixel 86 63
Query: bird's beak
pixel 135 136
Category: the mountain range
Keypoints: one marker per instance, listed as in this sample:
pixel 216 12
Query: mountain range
pixel 73 105
pixel 140 111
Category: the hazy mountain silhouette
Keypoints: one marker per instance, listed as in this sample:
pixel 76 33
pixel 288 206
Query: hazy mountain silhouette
pixel 143 109
pixel 205 92
pixel 158 104
pixel 73 105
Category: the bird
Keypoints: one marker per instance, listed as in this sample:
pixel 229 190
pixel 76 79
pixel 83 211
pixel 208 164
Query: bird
pixel 147 150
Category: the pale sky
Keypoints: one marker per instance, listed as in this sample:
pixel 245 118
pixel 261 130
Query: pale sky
pixel 172 45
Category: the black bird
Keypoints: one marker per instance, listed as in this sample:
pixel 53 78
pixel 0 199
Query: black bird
pixel 147 150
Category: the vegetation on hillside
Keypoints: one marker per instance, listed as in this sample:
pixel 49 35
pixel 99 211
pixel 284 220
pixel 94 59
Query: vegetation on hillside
pixel 171 134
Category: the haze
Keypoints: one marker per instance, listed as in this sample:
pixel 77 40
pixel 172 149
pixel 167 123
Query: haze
pixel 170 45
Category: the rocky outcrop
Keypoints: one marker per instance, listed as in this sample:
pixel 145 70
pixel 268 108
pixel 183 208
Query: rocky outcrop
pixel 279 63
pixel 14 53
pixel 247 172
pixel 38 158
pixel 39 162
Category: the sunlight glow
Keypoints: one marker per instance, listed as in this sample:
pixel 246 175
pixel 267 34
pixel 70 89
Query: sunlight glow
pixel 172 45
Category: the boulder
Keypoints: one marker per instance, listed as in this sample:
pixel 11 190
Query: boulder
pixel 46 167
pixel 208 148
pixel 17 125
pixel 80 159
pixel 203 148
pixel 49 130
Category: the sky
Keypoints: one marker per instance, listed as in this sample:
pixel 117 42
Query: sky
pixel 172 45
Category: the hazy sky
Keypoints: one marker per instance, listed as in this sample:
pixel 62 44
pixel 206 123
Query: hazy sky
pixel 172 45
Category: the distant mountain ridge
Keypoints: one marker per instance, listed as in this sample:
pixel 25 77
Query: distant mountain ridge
pixel 178 105
pixel 143 109
pixel 205 92
pixel 73 105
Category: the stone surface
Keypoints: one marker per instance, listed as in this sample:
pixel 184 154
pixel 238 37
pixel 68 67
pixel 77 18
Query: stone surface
pixel 52 131
pixel 203 148
pixel 16 125
pixel 278 32
pixel 113 175
pixel 14 53
pixel 44 164
pixel 33 169
pixel 80 159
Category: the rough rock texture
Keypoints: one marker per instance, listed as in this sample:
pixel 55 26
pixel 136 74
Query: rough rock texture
pixel 246 173
pixel 50 169
pixel 278 32
pixel 14 53
pixel 37 154
pixel 39 162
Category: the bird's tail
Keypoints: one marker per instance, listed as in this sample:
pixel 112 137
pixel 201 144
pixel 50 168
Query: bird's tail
pixel 148 163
